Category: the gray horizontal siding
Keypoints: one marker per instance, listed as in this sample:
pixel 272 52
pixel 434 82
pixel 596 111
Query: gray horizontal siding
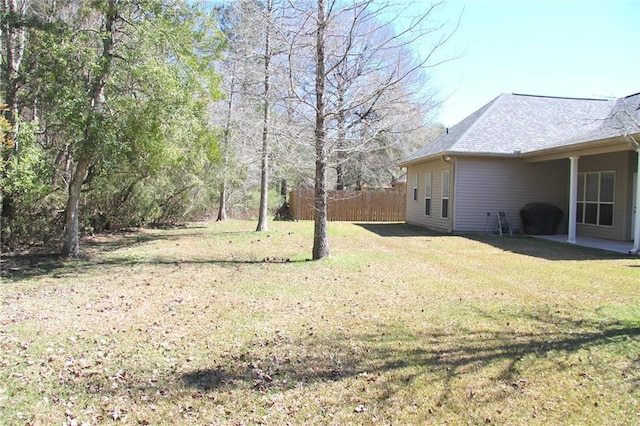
pixel 415 209
pixel 488 185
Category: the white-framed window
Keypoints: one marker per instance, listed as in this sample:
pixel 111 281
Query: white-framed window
pixel 595 198
pixel 446 178
pixel 427 194
pixel 415 187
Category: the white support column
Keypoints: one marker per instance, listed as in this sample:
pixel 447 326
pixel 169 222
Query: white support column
pixel 636 231
pixel 573 198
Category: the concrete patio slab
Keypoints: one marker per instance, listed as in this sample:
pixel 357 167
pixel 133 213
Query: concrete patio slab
pixel 598 243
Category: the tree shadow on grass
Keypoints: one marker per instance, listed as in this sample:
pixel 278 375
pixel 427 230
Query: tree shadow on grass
pixel 31 266
pixel 400 230
pixel 47 261
pixel 393 363
pixel 549 250
pixel 434 355
pixel 527 246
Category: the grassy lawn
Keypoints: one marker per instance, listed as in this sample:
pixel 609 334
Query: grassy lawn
pixel 216 324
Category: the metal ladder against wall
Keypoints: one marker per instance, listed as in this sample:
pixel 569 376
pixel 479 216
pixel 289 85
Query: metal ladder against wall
pixel 504 226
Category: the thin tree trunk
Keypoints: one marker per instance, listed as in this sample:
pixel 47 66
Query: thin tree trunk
pixel 341 117
pixel 340 153
pixel 264 175
pixel 12 42
pixel 320 232
pixel 222 206
pixel 358 178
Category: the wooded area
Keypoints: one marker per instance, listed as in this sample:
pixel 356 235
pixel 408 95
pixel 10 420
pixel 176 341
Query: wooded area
pixel 128 113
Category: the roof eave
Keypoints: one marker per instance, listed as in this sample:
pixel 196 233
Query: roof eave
pixel 420 159
pixel 593 147
pixel 442 154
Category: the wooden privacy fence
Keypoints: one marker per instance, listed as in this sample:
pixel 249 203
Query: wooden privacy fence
pixel 352 206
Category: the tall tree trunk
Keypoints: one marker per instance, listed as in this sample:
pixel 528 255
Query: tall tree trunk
pixel 264 175
pixel 320 232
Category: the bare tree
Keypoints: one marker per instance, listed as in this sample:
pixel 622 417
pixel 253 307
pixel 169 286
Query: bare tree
pixel 366 57
pixel 222 203
pixel 264 169
pixel 320 232
pixel 251 81
pixel 236 115
pixel 274 43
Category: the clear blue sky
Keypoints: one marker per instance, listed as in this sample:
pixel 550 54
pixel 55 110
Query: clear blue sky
pixel 555 48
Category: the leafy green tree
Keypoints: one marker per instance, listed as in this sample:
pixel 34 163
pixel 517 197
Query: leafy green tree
pixel 107 102
pixel 12 43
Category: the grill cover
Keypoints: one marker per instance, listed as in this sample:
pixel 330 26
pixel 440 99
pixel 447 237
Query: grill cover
pixel 541 218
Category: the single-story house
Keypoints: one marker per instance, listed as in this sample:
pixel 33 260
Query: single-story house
pixel 581 155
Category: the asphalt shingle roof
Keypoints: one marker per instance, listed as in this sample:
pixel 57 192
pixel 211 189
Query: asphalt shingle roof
pixel 512 123
pixel 623 119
